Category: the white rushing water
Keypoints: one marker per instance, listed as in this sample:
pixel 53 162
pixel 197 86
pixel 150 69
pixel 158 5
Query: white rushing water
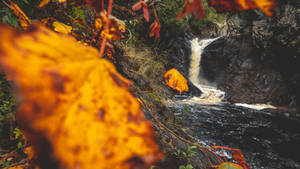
pixel 210 93
pixel 197 47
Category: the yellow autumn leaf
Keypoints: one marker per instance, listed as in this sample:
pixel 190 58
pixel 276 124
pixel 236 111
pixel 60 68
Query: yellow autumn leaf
pixel 176 80
pixel 115 30
pixel 62 28
pixel 75 109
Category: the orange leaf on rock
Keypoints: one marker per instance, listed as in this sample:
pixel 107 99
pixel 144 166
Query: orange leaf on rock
pixel 75 109
pixel 267 6
pixel 176 81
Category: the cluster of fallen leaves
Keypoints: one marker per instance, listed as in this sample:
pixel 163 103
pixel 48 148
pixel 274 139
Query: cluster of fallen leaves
pixel 75 109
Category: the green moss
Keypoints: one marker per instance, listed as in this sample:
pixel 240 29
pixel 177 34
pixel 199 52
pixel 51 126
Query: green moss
pixel 7 103
pixel 168 13
pixel 9 18
pixel 211 18
pixel 7 115
pixel 186 109
pixel 155 97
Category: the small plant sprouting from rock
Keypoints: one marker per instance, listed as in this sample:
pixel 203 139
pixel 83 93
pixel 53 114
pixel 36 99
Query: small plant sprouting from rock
pixel 186 156
pixel 189 166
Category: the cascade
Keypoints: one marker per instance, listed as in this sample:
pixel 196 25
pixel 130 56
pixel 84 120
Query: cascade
pixel 210 93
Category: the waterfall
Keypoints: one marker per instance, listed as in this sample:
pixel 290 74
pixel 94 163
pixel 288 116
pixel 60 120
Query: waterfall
pixel 197 48
pixel 210 93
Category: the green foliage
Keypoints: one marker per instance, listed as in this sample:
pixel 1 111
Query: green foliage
pixel 78 14
pixel 7 113
pixel 186 109
pixel 17 133
pixel 5 164
pixel 189 166
pixel 19 137
pixel 152 167
pixel 7 103
pixel 26 2
pixel 168 13
pixel 186 155
pixel 8 17
pixel 211 17
pixel 155 97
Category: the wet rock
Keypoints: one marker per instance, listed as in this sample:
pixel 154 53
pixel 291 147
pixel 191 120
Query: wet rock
pixel 268 138
pixel 260 58
pixel 179 59
pixel 180 51
pixel 193 90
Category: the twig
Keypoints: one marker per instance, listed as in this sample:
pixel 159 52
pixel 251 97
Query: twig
pixel 106 28
pixel 84 24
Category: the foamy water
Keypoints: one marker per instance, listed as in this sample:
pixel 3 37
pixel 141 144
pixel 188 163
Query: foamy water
pixel 211 94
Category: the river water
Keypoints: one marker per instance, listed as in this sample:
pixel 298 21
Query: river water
pixel 268 136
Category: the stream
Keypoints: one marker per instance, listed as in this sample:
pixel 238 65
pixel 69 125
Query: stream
pixel 269 137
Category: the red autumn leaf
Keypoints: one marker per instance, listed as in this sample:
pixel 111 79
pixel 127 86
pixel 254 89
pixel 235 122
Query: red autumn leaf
pixel 154 30
pixel 146 13
pixel 192 6
pixel 139 5
pixel 237 156
pixel 267 6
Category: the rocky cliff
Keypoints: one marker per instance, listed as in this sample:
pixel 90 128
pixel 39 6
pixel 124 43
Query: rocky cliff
pixel 259 60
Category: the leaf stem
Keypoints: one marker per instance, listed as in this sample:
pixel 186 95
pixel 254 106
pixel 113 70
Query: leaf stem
pixel 109 8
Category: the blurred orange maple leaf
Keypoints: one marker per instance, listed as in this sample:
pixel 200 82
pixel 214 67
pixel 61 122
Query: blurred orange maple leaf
pixel 75 108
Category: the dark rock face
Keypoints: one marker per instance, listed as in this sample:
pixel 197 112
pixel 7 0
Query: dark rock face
pixel 180 52
pixel 179 59
pixel 259 62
